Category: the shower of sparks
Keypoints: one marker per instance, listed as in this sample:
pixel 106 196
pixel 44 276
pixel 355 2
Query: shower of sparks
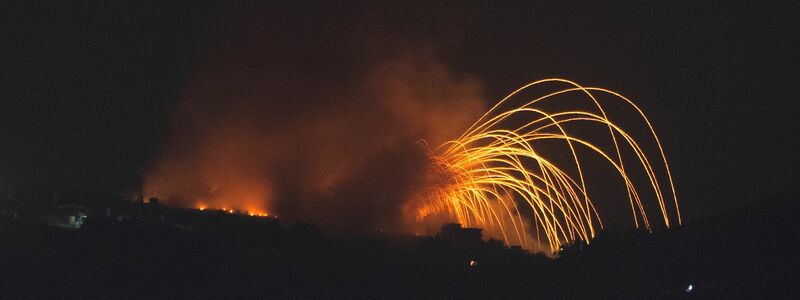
pixel 493 177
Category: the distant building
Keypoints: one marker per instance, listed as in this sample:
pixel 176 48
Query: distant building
pixel 517 250
pixel 66 216
pixel 454 233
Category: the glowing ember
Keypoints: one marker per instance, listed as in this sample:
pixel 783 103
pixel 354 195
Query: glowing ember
pixel 491 175
pixel 251 213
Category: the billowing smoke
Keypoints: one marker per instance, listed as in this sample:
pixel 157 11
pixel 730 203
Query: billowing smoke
pixel 316 119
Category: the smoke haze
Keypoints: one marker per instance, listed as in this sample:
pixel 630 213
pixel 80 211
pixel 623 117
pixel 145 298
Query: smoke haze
pixel 322 129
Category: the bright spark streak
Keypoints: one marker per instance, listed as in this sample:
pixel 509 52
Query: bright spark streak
pixel 494 173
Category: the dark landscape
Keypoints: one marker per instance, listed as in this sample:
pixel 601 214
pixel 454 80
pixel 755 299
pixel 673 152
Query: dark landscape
pixel 399 149
pixel 143 250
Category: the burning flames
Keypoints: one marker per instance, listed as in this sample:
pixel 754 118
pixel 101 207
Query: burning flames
pixel 252 213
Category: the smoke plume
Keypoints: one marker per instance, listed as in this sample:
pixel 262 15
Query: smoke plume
pixel 315 119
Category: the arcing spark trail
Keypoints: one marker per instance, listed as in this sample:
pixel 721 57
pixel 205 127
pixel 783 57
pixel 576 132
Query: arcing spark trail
pixel 494 177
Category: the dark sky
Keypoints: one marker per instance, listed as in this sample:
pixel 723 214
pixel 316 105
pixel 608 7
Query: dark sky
pixel 87 90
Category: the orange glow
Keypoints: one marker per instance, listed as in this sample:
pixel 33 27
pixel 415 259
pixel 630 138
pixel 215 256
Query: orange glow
pixel 495 171
pixel 252 213
pixel 238 151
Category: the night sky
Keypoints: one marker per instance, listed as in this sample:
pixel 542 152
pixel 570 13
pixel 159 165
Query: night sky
pixel 88 92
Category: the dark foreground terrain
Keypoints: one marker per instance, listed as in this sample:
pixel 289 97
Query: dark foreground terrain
pixel 747 252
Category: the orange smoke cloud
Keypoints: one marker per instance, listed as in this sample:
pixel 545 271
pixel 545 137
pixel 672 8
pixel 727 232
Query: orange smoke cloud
pixel 359 159
pixel 325 135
